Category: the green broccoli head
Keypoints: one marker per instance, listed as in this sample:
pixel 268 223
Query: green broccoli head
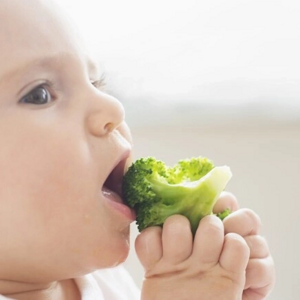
pixel 190 188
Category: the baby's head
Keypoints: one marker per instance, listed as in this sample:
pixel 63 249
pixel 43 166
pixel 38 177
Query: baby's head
pixel 63 149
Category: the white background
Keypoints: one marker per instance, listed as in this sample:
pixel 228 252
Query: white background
pixel 229 52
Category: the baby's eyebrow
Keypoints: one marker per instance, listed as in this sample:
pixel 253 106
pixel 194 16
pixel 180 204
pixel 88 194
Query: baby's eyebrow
pixel 57 60
pixel 31 64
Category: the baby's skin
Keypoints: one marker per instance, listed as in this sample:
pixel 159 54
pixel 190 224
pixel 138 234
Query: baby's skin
pixel 225 260
pixel 63 151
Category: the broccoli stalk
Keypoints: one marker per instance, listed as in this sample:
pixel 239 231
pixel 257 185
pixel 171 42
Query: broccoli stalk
pixel 190 188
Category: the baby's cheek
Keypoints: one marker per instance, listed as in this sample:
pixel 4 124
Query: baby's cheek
pixel 46 177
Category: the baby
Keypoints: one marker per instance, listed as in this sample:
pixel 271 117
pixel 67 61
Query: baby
pixel 64 230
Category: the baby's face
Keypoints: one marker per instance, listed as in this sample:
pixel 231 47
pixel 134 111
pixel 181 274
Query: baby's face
pixel 60 139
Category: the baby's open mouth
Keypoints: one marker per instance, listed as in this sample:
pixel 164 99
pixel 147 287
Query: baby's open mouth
pixel 114 180
pixel 112 191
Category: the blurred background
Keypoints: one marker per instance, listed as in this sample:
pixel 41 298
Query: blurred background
pixel 214 78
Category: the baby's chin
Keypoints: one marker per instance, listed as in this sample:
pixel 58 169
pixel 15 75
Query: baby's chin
pixel 114 256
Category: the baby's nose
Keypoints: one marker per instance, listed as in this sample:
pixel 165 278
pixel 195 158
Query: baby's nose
pixel 106 116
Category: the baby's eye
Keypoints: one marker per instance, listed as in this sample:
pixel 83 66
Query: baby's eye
pixel 40 95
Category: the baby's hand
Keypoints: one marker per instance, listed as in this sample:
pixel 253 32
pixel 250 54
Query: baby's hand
pixel 212 266
pixel 260 272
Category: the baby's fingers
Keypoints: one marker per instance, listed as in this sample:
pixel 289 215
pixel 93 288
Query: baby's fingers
pixel 243 222
pixel 208 241
pixel 177 239
pixel 258 246
pixel 235 254
pixel 260 278
pixel 148 246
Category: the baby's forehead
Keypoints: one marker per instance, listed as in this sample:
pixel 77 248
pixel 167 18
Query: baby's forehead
pixel 30 32
pixel 10 7
pixel 22 19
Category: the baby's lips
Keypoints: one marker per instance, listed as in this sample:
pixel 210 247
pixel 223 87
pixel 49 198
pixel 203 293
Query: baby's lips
pixel 116 202
pixel 128 163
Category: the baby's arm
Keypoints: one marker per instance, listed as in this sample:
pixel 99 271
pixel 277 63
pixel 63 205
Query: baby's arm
pixel 212 266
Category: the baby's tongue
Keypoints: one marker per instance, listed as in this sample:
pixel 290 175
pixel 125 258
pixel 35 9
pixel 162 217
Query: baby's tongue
pixel 111 195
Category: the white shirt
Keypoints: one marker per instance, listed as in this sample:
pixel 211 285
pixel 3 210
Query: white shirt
pixel 106 284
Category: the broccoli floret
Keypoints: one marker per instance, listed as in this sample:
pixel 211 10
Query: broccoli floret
pixel 223 214
pixel 190 188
